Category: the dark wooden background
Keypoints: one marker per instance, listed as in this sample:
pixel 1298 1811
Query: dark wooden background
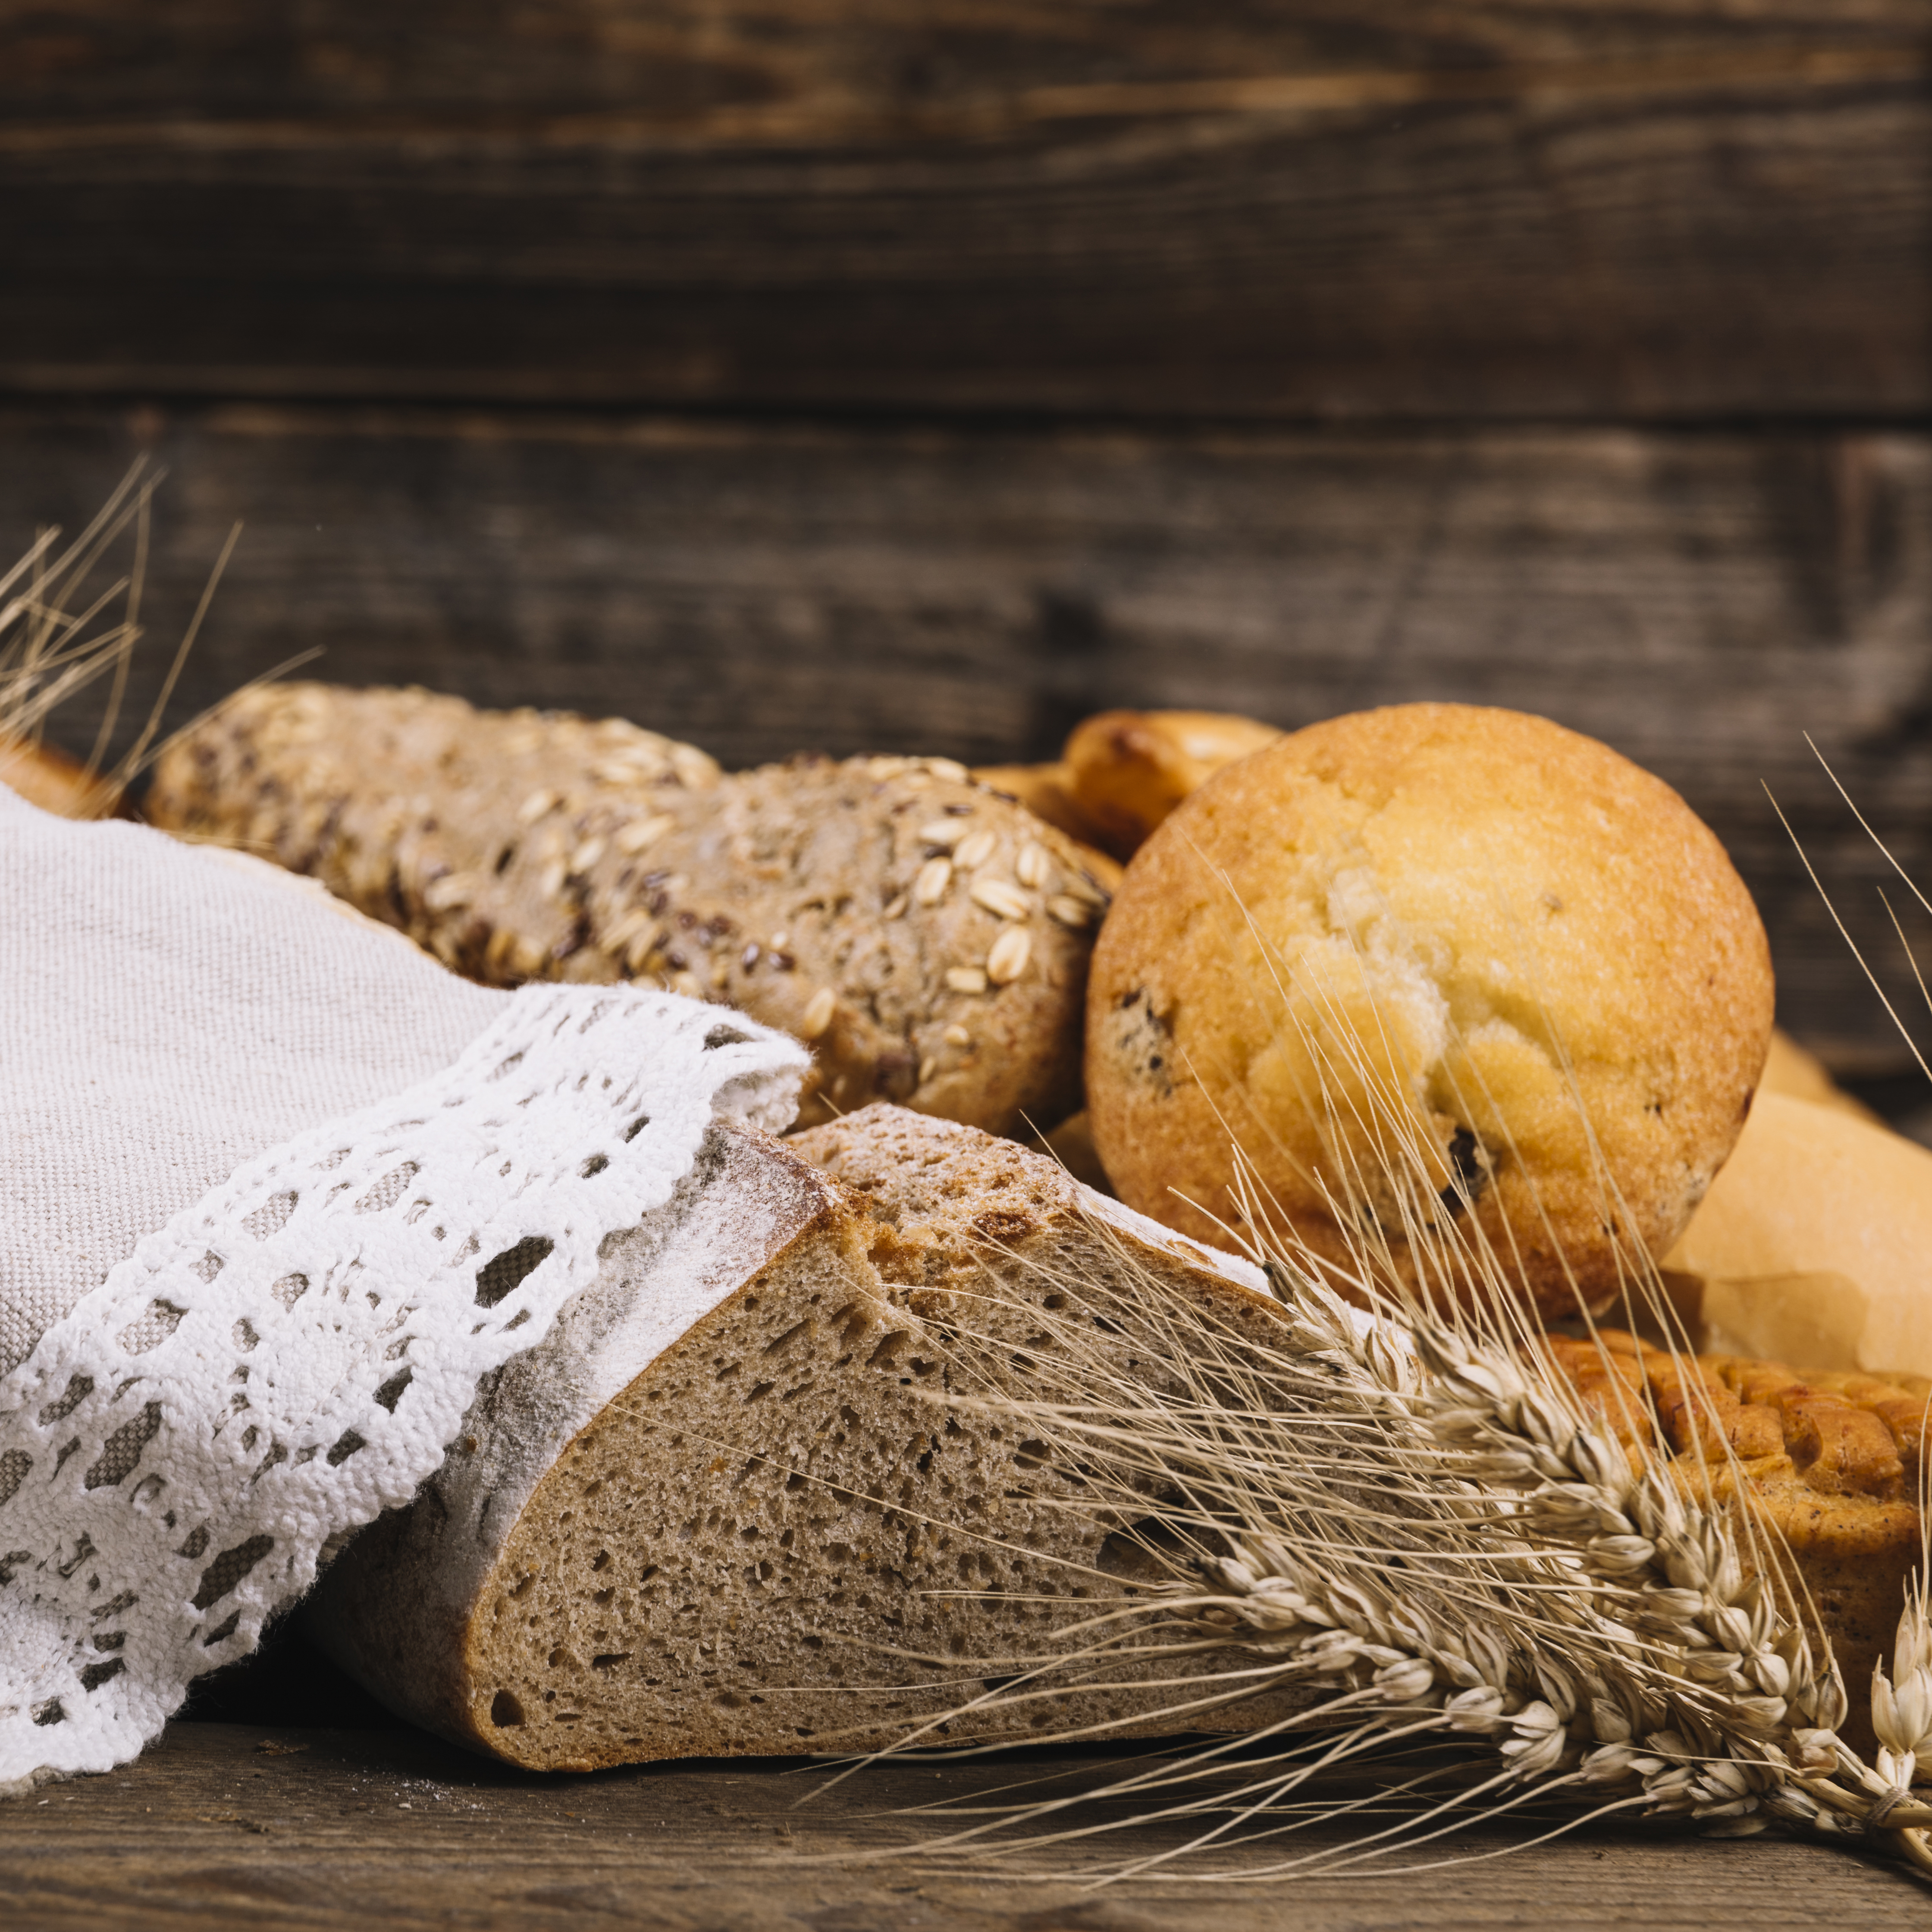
pixel 862 374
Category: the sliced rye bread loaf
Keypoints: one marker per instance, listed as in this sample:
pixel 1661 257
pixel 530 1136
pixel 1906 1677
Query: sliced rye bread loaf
pixel 718 1511
pixel 927 938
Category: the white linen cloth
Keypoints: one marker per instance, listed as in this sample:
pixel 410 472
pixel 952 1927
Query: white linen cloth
pixel 275 1190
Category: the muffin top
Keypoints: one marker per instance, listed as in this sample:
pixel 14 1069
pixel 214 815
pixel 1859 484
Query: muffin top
pixel 1452 979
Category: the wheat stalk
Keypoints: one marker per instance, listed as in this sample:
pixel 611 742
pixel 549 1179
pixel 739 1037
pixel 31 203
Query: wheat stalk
pixel 1409 1516
pixel 54 642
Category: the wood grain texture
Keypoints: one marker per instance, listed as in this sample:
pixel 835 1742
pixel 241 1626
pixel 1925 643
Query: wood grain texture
pixel 1397 209
pixel 1700 601
pixel 318 1831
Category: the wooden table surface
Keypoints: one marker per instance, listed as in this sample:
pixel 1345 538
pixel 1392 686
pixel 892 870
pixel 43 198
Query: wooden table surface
pixel 221 1825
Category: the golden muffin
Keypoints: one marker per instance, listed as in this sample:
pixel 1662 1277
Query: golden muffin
pixel 1434 967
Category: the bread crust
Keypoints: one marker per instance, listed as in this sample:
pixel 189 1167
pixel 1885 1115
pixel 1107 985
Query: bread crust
pixel 52 781
pixel 735 1546
pixel 1127 770
pixel 1501 918
pixel 1829 1461
pixel 928 939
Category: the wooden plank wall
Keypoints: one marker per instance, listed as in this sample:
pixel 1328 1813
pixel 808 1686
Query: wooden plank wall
pixel 853 374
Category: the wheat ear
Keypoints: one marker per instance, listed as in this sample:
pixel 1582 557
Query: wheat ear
pixel 1410 1518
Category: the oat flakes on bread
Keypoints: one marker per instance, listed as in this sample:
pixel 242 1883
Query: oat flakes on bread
pixel 696 1518
pixel 928 939
pixel 1477 906
pixel 1830 1461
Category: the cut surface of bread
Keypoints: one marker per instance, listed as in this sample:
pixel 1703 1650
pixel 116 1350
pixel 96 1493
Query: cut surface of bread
pixel 727 1506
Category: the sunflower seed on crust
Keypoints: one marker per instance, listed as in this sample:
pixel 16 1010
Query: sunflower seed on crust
pixel 1069 911
pixel 934 876
pixel 696 771
pixel 946 832
pixel 587 855
pixel 965 978
pixel 818 1013
pixel 534 807
pixel 1008 959
pixel 1034 864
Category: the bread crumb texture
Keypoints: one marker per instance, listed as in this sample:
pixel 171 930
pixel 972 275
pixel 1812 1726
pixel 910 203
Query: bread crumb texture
pixel 1503 929
pixel 780 1537
pixel 927 938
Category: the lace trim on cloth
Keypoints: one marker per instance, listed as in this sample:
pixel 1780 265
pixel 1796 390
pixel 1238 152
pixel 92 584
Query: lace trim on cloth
pixel 289 1357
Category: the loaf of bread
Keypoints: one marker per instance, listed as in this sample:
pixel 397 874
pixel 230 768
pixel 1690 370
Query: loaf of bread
pixel 1814 1244
pixel 928 939
pixel 717 1510
pixel 1830 1463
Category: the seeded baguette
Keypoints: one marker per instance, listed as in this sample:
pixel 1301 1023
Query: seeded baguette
pixel 702 1515
pixel 928 938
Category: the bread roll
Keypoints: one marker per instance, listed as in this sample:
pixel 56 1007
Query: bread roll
pixel 1047 792
pixel 1129 769
pixel 928 939
pixel 699 1517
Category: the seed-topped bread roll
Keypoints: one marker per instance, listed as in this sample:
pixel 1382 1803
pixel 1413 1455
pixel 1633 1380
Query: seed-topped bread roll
pixel 928 939
pixel 1467 931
